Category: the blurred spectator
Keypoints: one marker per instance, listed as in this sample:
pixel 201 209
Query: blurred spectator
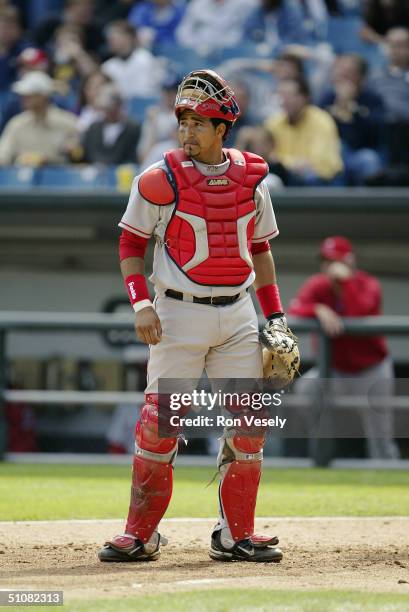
pixel 358 362
pixel 307 141
pixel 275 22
pixel 286 66
pixel 113 139
pixel 290 64
pixel 136 72
pixel 70 59
pixel 43 133
pixel 283 22
pixel 29 59
pixel 382 15
pixel 90 88
pixel 360 116
pixel 32 58
pixel 70 62
pixel 242 91
pixel 209 25
pixel 11 45
pixel 260 141
pixel 157 20
pixel 393 87
pixel 262 99
pixel 158 149
pixel 160 120
pixel 317 61
pixel 315 20
pixel 79 13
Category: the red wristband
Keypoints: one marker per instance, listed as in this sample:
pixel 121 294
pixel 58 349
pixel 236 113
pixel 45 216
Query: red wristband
pixel 269 299
pixel 137 288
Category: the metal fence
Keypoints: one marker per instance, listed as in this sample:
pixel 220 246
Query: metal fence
pixel 29 322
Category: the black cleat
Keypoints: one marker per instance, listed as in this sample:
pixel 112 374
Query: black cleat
pixel 127 548
pixel 258 550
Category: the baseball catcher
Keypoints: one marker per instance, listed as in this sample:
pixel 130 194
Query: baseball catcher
pixel 210 213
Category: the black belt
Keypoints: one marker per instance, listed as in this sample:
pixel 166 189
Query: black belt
pixel 220 300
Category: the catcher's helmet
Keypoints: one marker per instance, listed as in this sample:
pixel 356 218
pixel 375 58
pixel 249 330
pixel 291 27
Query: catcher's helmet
pixel 207 94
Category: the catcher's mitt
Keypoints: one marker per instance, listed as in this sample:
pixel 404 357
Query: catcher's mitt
pixel 281 357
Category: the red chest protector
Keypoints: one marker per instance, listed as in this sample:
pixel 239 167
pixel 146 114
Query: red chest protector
pixel 210 231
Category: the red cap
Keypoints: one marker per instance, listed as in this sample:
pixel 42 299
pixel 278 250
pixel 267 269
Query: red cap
pixel 336 248
pixel 33 57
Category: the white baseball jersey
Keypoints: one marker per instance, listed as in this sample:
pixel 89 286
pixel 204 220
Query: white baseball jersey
pixel 145 219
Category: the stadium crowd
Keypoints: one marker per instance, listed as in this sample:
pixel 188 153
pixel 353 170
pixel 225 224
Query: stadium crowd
pixel 323 84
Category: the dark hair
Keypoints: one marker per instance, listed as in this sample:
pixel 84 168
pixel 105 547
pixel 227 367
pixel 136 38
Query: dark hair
pixel 271 5
pixel 228 124
pixel 84 82
pixel 360 62
pixel 123 25
pixel 294 60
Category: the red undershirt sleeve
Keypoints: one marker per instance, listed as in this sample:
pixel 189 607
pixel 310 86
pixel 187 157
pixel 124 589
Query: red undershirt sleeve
pixel 131 245
pixel 260 247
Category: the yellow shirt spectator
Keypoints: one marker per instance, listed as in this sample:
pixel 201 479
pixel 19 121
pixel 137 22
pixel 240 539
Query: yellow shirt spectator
pixel 306 137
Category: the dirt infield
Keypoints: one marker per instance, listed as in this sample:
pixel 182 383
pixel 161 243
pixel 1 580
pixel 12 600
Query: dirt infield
pixel 354 554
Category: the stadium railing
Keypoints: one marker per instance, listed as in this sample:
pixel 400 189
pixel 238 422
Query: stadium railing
pixel 29 322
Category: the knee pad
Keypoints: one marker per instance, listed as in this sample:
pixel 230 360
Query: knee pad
pixel 239 448
pixel 248 445
pixel 147 433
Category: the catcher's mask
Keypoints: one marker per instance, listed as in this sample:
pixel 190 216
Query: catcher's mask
pixel 207 94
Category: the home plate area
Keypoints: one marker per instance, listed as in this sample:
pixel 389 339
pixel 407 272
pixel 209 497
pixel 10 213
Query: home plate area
pixel 362 554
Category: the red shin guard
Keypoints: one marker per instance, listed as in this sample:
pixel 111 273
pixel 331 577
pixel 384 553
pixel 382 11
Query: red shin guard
pixel 152 485
pixel 152 476
pixel 239 486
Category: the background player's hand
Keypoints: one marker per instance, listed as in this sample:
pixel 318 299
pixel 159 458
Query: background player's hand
pixel 147 326
pixel 338 271
pixel 331 323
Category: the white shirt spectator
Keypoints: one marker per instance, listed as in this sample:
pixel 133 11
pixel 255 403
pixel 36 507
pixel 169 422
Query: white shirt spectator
pixel 211 24
pixel 139 75
pixel 156 152
pixel 159 125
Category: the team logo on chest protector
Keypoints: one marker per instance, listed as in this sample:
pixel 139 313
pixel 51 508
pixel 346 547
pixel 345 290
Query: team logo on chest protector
pixel 209 234
pixel 218 182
